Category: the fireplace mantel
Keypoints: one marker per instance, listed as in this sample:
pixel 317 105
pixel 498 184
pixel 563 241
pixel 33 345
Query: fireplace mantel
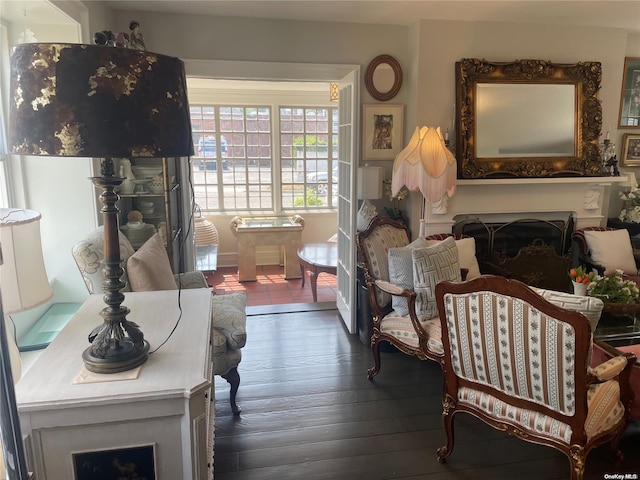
pixel 587 198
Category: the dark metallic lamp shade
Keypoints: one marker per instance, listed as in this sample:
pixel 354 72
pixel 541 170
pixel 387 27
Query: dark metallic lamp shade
pixel 95 101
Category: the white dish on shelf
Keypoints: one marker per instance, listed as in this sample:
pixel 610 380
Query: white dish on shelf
pixel 146 171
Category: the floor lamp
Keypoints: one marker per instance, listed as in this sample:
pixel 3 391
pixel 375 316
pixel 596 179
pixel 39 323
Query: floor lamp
pixel 24 285
pixel 70 100
pixel 426 164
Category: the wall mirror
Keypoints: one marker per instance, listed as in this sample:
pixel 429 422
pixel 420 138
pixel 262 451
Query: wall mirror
pixel 528 118
pixel 630 95
pixel 383 77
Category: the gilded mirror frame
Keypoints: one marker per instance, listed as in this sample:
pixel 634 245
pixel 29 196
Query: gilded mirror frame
pixel 585 76
pixel 397 81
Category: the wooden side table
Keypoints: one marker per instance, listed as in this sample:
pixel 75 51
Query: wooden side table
pixel 318 258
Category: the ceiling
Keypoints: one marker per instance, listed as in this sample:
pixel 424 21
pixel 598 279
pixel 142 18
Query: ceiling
pixel 607 13
pixel 601 13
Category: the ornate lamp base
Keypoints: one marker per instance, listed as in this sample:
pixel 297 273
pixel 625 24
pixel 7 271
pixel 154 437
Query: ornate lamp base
pixel 118 344
pixel 125 357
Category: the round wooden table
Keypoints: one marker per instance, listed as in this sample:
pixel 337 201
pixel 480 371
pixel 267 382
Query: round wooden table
pixel 318 258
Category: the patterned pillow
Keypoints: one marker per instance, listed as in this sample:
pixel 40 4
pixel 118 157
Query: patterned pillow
pixel 365 215
pixel 466 255
pixel 590 307
pixel 401 272
pixel 432 265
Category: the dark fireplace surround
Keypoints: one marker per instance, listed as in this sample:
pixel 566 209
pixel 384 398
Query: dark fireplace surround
pixel 535 251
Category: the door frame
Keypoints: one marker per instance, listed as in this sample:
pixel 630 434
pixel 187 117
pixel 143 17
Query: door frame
pixel 299 72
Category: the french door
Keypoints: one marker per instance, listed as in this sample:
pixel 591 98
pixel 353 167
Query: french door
pixel 347 163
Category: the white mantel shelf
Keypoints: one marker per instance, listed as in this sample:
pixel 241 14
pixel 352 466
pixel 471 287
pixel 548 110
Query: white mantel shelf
pixel 543 181
pixel 508 199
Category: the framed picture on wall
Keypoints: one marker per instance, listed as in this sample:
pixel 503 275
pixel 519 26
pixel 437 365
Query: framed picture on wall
pixel 383 131
pixel 630 95
pixel 631 150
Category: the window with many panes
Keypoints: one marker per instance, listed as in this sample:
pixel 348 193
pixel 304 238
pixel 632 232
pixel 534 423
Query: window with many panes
pixel 235 168
pixel 233 158
pixel 308 157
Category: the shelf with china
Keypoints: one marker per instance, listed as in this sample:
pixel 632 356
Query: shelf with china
pixel 150 202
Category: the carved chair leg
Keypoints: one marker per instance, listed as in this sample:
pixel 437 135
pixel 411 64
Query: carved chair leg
pixel 233 377
pixel 375 349
pixel 576 461
pixel 447 419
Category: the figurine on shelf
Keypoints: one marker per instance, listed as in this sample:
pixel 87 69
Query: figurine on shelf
pixel 136 41
pixel 612 166
pixel 105 38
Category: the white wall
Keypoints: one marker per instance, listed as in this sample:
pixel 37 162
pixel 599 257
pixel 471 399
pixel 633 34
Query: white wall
pixel 426 50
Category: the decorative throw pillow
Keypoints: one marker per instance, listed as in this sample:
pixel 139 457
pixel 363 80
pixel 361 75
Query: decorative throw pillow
pixel 466 255
pixel 366 213
pixel 432 265
pixel 612 249
pixel 590 307
pixel 401 272
pixel 149 269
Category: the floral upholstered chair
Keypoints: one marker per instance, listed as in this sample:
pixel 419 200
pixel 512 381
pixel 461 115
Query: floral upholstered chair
pixel 401 293
pixel 228 316
pixel 520 364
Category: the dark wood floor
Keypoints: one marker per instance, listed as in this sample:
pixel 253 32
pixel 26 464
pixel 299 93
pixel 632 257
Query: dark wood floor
pixel 309 412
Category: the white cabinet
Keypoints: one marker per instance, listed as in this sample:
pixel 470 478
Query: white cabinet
pixel 166 406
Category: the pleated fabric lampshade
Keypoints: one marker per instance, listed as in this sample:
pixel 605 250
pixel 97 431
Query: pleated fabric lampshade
pixel 206 232
pixel 23 278
pixel 425 164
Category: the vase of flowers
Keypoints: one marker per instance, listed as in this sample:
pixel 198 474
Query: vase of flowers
pixel 394 212
pixel 580 279
pixel 631 209
pixel 614 290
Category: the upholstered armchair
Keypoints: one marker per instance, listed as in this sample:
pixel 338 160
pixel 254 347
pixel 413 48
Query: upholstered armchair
pixel 604 250
pixel 520 364
pixel 228 317
pixel 403 314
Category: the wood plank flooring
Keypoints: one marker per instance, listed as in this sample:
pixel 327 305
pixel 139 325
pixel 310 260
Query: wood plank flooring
pixel 309 412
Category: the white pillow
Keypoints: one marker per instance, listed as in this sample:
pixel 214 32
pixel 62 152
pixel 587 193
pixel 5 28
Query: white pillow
pixel 466 255
pixel 432 265
pixel 612 249
pixel 401 272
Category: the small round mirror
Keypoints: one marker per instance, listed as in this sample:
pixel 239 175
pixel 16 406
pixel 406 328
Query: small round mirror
pixel 383 77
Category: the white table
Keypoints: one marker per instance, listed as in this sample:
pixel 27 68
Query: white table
pixel 168 406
